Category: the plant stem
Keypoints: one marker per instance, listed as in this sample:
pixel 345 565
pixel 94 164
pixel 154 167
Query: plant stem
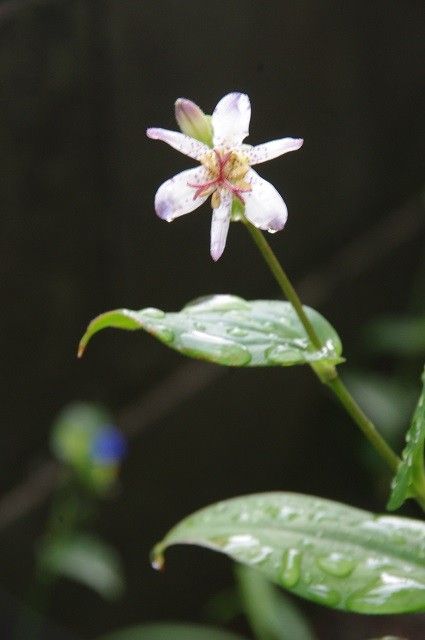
pixel 283 282
pixel 331 379
pixel 363 422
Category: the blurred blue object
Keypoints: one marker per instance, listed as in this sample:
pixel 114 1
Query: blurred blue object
pixel 109 445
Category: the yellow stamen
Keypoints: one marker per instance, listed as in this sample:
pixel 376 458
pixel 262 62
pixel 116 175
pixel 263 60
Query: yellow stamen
pixel 215 200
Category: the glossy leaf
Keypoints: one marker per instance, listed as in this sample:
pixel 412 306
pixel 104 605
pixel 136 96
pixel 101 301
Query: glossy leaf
pixel 411 469
pixel 171 631
pixel 85 559
pixel 230 331
pixel 270 612
pixel 324 551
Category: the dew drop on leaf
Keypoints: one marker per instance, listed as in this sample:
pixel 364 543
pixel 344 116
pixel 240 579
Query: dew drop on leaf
pixel 151 312
pixel 291 568
pixel 237 332
pixel 336 564
pixel 281 354
pixel 220 350
pixel 389 588
pixel 323 594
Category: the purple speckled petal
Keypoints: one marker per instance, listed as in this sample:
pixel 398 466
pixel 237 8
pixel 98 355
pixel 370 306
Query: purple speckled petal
pixel 189 146
pixel 273 149
pixel 264 206
pixel 220 225
pixel 230 120
pixel 175 197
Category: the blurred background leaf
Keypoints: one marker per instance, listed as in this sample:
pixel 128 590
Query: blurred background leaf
pixel 399 336
pixel 172 631
pixel 85 559
pixel 271 614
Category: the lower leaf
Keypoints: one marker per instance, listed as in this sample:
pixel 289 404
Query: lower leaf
pixel 327 552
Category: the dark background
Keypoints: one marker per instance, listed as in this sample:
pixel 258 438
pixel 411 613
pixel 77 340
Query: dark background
pixel 81 82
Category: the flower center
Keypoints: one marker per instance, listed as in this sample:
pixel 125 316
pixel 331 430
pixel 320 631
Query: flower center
pixel 225 170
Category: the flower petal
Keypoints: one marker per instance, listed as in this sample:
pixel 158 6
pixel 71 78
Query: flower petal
pixel 175 197
pixel 264 206
pixel 220 225
pixel 273 149
pixel 187 145
pixel 230 120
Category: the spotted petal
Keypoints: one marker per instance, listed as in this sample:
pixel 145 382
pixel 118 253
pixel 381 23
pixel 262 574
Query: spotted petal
pixel 220 225
pixel 187 145
pixel 273 149
pixel 175 197
pixel 264 206
pixel 230 120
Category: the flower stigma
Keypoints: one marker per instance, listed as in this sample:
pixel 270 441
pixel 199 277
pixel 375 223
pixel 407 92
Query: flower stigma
pixel 226 170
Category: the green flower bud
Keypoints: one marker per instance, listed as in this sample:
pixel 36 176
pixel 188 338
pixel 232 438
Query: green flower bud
pixel 193 122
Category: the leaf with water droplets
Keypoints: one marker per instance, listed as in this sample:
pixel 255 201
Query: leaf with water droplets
pixel 230 331
pixel 411 469
pixel 330 553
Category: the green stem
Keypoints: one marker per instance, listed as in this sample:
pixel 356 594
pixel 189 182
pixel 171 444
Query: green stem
pixel 363 422
pixel 283 282
pixel 331 378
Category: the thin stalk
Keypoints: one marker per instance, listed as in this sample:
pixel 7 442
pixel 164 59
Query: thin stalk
pixel 331 379
pixel 363 422
pixel 283 282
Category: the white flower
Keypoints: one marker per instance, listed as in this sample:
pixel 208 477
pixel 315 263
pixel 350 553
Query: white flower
pixel 224 173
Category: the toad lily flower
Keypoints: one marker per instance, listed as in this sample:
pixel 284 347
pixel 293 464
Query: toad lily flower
pixel 225 169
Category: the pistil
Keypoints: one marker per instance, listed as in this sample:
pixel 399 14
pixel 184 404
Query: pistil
pixel 226 171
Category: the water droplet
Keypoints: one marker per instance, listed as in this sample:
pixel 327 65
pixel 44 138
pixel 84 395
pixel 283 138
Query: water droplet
pixel 151 312
pixel 217 303
pixel 291 568
pixel 220 350
pixel 336 564
pixel 157 558
pixel 237 332
pixel 323 594
pixel 162 333
pixel 389 594
pixel 243 547
pixel 282 354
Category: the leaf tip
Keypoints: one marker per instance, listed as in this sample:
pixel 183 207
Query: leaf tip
pixel 157 558
pixel 81 348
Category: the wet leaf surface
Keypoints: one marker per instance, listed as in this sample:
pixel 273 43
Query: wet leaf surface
pixel 230 331
pixel 332 554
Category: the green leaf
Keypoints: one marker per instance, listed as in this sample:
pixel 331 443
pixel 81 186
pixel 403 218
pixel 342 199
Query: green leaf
pixel 85 559
pixel 411 469
pixel 324 551
pixel 230 331
pixel 171 631
pixel 271 614
pixel 398 336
